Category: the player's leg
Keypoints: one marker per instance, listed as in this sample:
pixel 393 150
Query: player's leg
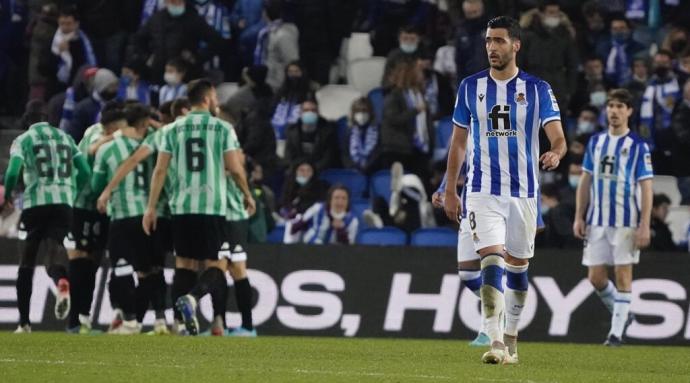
pixel 184 279
pixel 219 301
pixel 598 276
pixel 162 249
pixel 625 255
pixel 469 270
pixel 27 263
pixel 238 236
pixel 597 255
pixel 122 287
pixel 57 220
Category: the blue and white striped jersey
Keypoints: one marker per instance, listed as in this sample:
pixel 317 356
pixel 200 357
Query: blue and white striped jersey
pixel 617 164
pixel 503 118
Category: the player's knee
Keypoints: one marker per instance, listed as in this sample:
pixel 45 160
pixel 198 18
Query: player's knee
pixel 186 263
pixel 469 265
pixel 76 254
pixel 491 250
pixel 518 262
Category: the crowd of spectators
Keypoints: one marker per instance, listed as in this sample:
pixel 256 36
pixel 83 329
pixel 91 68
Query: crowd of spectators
pixel 76 55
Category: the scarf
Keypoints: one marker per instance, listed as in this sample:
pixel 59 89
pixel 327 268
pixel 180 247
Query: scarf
pixel 617 65
pixel 421 135
pixel 66 59
pixel 363 140
pixel 261 50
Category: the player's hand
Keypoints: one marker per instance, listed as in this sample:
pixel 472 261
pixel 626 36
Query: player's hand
pixel 549 160
pixel 250 205
pixel 437 200
pixel 580 228
pixel 452 206
pixel 102 202
pixel 642 237
pixel 149 221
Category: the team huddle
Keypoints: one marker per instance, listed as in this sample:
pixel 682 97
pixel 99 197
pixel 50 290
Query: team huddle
pixel 141 194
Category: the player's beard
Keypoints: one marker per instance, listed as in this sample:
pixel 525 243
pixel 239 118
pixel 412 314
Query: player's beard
pixel 503 61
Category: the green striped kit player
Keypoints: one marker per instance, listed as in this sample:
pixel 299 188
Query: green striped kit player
pixel 53 168
pixel 199 148
pixel 89 231
pixel 130 249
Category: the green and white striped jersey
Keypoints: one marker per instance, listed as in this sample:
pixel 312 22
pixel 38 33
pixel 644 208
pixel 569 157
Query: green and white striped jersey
pixel 130 197
pixel 85 198
pixel 48 154
pixel 154 141
pixel 197 144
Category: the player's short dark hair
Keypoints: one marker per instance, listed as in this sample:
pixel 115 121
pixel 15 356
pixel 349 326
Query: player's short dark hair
pixel 69 11
pixel 112 111
pixel 178 105
pixel 660 199
pixel 621 95
pixel 198 89
pixel 34 113
pixel 136 113
pixel 166 108
pixel 508 23
pixel 550 190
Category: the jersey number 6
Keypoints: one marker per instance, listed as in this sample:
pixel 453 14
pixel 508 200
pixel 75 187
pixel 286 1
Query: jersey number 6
pixel 195 155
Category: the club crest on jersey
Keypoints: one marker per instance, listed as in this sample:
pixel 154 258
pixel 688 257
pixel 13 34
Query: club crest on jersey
pixel 624 152
pixel 520 99
pixel 481 97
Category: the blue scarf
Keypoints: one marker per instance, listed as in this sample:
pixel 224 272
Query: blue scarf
pixel 261 50
pixel 318 221
pixel 363 140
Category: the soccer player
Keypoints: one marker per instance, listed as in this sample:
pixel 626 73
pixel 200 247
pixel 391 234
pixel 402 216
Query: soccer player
pixel 616 162
pixel 49 158
pixel 130 249
pixel 198 149
pixel 497 115
pixel 89 232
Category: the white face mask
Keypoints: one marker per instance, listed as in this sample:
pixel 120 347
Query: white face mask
pixel 338 216
pixel 573 180
pixel 361 118
pixel 551 21
pixel 302 180
pixel 171 79
pixel 584 127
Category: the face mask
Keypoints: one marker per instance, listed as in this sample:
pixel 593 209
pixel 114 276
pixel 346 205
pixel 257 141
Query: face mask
pixel 175 10
pixel 338 216
pixel 551 21
pixel 171 79
pixel 584 127
pixel 598 98
pixel 408 48
pixel 620 37
pixel 361 118
pixel 302 180
pixel 573 180
pixel 661 71
pixel 309 118
pixel 544 209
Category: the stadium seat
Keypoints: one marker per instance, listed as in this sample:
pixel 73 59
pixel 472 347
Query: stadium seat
pixel 678 220
pixel 434 237
pixel 366 74
pixel 276 235
pixel 385 236
pixel 335 100
pixel 444 130
pixel 358 206
pixel 669 186
pixel 380 185
pixel 358 47
pixel 226 90
pixel 355 181
pixel 376 98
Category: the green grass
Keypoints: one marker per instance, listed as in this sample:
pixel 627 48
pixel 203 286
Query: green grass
pixel 55 357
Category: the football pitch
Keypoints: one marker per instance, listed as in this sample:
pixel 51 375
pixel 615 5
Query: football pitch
pixel 56 357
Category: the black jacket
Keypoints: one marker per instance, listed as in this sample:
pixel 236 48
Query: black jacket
pixel 398 125
pixel 256 134
pixel 662 240
pixel 325 153
pixel 681 130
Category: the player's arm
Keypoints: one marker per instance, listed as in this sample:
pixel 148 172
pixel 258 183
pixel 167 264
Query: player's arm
pixel 83 171
pixel 127 166
pixel 456 157
pixel 14 169
pixel 93 148
pixel 234 166
pixel 551 159
pixel 437 197
pixel 642 235
pixel 157 182
pixel 581 202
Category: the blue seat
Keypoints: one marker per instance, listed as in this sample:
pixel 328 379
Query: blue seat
pixel 376 98
pixel 380 185
pixel 435 237
pixel 276 235
pixel 358 205
pixel 385 236
pixel 353 180
pixel 444 131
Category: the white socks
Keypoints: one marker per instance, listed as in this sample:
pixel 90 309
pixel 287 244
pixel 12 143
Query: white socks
pixel 608 295
pixel 621 308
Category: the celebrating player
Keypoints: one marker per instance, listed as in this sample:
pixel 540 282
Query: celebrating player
pixel 498 112
pixel 48 157
pixel 615 163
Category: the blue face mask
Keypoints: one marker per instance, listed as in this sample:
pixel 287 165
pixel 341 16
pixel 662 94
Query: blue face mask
pixel 544 209
pixel 309 118
pixel 408 48
pixel 175 10
pixel 573 180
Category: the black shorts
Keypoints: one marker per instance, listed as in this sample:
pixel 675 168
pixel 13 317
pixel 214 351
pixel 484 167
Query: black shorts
pixel 89 230
pixel 162 241
pixel 198 236
pixel 237 234
pixel 127 240
pixel 46 221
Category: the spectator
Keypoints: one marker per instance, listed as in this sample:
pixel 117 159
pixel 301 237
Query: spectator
pixel 42 35
pixel 683 66
pixel 593 32
pixel 174 88
pixel 247 19
pixel 676 40
pixel 277 44
pixel 225 63
pixel 105 22
pixel 262 222
pixel 587 123
pixel 175 32
pixel 438 94
pixel 363 136
pixel 302 189
pixel 548 50
pixel 70 49
pixel 86 111
pixel 567 192
pixel 661 96
pixel 661 238
pixel 331 222
pixel 558 218
pixel 470 49
pixel 132 83
pixel 389 16
pixel 619 51
pixel 61 106
pixel 638 83
pixel 312 139
pixel 9 218
pixel 406 131
pixel 253 89
pixel 681 144
pixel 408 51
pixel 591 86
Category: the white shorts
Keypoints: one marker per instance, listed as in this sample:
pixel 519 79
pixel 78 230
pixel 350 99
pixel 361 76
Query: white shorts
pixel 502 220
pixel 610 246
pixel 466 250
